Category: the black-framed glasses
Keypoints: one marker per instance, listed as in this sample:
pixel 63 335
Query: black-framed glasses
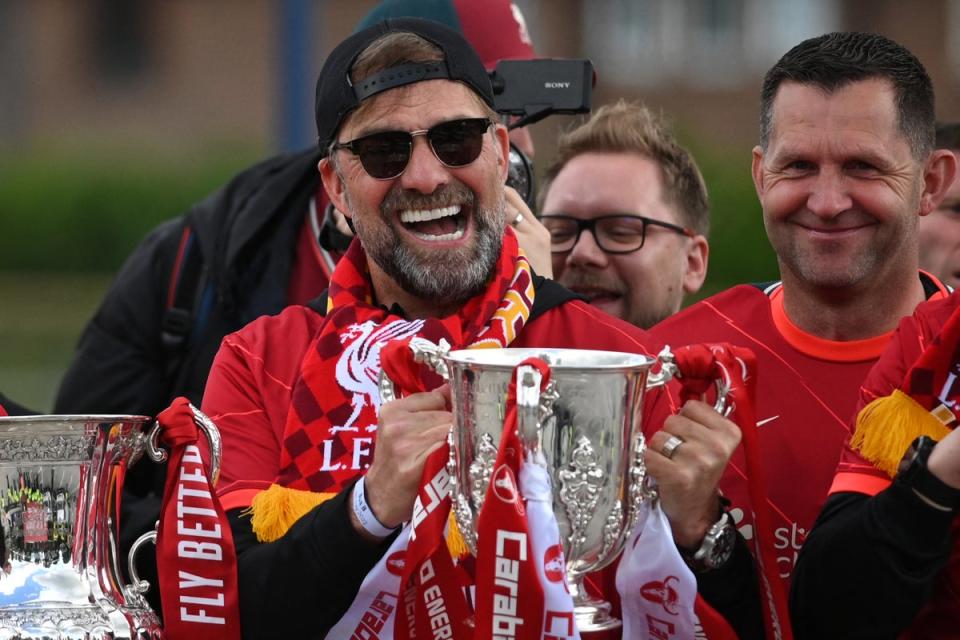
pixel 385 154
pixel 618 233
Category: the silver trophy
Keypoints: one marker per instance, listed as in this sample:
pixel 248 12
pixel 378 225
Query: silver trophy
pixel 587 426
pixel 59 498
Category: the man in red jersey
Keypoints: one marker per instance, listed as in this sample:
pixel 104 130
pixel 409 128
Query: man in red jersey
pixel 413 155
pixel 845 167
pixel 264 240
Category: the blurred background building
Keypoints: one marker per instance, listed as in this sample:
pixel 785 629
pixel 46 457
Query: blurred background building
pixel 116 114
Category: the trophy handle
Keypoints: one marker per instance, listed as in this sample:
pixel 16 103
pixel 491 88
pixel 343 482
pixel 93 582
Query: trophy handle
pixel 424 352
pixel 669 370
pixel 138 586
pixel 209 429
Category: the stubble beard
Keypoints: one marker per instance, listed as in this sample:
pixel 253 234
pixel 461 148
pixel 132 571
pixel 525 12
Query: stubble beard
pixel 444 276
pixel 640 308
pixel 828 270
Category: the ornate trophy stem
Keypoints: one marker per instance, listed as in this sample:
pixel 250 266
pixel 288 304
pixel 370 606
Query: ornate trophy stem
pixel 591 614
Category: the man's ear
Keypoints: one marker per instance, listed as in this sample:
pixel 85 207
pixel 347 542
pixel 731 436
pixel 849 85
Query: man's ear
pixel 334 186
pixel 502 139
pixel 756 170
pixel 698 253
pixel 939 174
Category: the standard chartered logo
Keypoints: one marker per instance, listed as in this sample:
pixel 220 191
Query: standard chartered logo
pixel 746 530
pixel 786 540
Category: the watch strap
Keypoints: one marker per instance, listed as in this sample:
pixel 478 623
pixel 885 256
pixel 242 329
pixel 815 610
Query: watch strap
pixel 716 548
pixel 931 489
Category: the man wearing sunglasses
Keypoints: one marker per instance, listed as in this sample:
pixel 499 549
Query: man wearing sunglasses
pixel 264 240
pixel 628 217
pixel 413 156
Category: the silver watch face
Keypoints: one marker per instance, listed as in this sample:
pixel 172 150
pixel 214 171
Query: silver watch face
pixel 718 543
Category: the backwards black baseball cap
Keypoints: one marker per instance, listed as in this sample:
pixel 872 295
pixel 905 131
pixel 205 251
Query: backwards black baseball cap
pixel 337 96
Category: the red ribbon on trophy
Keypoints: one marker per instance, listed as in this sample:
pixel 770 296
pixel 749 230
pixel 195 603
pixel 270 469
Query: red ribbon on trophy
pixel 431 600
pixel 510 596
pixel 196 561
pixel 701 365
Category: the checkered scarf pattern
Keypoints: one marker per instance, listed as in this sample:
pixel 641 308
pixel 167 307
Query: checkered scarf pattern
pixel 926 403
pixel 334 398
pixel 930 381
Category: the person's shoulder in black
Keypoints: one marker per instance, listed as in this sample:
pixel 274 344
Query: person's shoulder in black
pixel 12 408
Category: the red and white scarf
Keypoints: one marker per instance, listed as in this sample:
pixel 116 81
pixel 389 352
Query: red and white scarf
pixel 196 561
pixel 415 589
pixel 335 400
pixel 521 572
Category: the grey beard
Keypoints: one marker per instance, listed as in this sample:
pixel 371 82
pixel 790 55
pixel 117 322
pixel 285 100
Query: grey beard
pixel 447 283
pixel 445 277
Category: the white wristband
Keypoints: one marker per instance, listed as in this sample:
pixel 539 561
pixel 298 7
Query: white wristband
pixel 365 514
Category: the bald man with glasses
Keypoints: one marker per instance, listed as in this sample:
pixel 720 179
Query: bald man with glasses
pixel 622 177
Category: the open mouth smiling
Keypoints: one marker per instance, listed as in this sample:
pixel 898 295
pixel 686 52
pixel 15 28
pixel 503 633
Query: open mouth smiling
pixel 442 224
pixel 594 294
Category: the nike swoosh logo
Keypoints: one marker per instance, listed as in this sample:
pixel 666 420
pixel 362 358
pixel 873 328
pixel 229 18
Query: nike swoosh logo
pixel 760 423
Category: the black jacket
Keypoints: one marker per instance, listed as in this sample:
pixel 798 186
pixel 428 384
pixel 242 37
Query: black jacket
pixel 869 565
pixel 12 408
pixel 245 234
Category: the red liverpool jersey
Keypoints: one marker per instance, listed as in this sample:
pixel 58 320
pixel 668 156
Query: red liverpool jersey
pixel 807 390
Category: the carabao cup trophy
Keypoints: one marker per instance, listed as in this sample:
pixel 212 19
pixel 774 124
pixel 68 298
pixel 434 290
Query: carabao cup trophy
pixel 60 492
pixel 587 426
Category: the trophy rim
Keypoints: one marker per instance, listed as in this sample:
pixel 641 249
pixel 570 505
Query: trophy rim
pixel 69 420
pixel 75 417
pixel 512 356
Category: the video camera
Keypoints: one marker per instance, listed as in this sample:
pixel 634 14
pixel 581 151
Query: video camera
pixel 532 90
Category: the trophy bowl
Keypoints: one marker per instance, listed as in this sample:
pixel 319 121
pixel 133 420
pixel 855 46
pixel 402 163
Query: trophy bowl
pixel 588 431
pixel 61 480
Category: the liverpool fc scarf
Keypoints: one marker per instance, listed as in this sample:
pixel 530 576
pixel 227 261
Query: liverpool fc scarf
pixel 925 404
pixel 329 436
pixel 330 431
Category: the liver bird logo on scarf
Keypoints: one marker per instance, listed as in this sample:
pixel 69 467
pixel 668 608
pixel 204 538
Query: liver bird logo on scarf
pixel 359 364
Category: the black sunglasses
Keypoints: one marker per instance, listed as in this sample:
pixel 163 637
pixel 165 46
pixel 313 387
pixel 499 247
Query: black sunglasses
pixel 619 233
pixel 384 155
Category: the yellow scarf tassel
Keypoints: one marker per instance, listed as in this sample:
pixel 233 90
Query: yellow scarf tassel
pixel 274 510
pixel 455 542
pixel 887 426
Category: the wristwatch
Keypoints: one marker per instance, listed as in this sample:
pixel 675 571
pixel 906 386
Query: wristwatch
pixel 913 473
pixel 716 548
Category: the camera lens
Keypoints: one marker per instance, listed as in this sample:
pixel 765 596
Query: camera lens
pixel 520 176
